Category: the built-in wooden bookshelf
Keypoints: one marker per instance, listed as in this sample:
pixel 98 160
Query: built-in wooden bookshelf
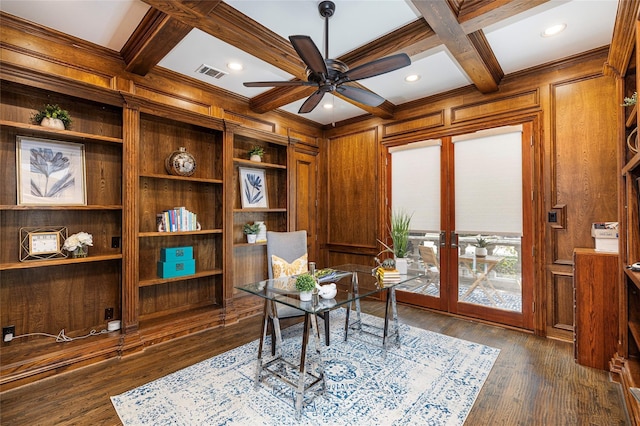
pixel 67 294
pixel 250 259
pixel 201 193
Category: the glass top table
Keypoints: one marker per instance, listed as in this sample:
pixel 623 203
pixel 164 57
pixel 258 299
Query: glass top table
pixel 353 282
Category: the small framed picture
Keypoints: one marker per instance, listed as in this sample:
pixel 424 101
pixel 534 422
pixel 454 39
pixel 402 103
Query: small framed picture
pixel 50 172
pixel 42 243
pixel 253 188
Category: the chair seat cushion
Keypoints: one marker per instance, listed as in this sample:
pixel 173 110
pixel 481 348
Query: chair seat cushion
pixel 282 268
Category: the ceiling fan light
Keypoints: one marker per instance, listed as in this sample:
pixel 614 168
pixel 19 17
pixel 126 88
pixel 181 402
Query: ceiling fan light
pixel 235 66
pixel 412 78
pixel 554 30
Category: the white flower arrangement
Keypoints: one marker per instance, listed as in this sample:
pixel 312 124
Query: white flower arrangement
pixel 78 240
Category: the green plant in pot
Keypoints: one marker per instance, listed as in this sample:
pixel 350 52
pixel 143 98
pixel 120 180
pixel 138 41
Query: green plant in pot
pixel 399 233
pixel 481 245
pixel 251 231
pixel 52 116
pixel 256 153
pixel 305 284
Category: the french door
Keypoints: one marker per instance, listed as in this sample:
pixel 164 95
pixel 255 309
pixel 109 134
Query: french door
pixel 471 228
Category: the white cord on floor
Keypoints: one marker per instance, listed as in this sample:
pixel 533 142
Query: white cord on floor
pixel 61 337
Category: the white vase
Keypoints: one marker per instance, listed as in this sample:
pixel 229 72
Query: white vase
pixel 481 251
pixel 305 296
pixel 262 233
pixel 402 265
pixel 52 123
pixel 251 238
pixel 255 158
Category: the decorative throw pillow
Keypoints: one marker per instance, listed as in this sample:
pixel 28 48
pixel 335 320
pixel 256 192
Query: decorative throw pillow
pixel 281 268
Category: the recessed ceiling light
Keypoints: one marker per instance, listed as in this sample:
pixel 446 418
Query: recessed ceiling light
pixel 327 105
pixel 553 30
pixel 235 66
pixel 411 78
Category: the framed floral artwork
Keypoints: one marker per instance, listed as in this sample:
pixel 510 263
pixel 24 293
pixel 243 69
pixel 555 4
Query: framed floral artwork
pixel 253 188
pixel 50 172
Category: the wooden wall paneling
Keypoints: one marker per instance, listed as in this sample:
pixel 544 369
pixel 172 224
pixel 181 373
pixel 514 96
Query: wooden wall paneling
pixel 304 199
pixel 353 199
pixel 560 305
pixel 584 159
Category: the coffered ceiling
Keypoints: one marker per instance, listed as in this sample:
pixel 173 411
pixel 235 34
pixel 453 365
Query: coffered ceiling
pixel 451 43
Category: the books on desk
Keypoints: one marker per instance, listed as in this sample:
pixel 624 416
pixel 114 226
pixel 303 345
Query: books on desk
pixel 388 275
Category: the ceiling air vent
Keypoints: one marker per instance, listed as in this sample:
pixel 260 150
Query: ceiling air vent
pixel 210 71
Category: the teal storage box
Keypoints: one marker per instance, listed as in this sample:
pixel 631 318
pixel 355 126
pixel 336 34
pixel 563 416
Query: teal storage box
pixel 176 269
pixel 176 254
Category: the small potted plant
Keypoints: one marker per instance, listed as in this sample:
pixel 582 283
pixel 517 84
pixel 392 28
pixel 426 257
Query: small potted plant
pixel 305 284
pixel 251 231
pixel 481 245
pixel 52 116
pixel 256 153
pixel 399 232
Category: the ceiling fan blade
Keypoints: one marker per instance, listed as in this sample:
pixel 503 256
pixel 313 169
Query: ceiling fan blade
pixel 311 102
pixel 277 83
pixel 377 67
pixel 309 53
pixel 360 95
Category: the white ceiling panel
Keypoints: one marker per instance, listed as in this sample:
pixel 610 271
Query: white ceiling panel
pixel 437 71
pixel 354 23
pixel 199 48
pixel 520 45
pixel 108 23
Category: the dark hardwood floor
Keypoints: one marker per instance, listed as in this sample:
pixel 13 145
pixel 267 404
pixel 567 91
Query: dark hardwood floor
pixel 535 381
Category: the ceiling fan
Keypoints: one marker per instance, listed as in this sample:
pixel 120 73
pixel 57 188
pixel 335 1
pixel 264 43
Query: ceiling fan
pixel 330 75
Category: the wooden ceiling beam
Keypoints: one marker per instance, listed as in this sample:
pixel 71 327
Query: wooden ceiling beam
pixel 444 22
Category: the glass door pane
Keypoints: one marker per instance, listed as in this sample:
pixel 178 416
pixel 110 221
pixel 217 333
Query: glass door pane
pixel 415 181
pixel 488 218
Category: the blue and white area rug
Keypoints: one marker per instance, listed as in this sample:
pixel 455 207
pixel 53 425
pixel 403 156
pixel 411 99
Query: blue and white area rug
pixel 430 379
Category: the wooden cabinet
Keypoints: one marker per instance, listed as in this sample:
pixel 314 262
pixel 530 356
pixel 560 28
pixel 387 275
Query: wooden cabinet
pixel 47 296
pixel 249 260
pixel 168 299
pixel 596 278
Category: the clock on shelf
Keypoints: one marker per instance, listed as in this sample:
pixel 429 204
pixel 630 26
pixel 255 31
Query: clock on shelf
pixel 180 163
pixel 42 243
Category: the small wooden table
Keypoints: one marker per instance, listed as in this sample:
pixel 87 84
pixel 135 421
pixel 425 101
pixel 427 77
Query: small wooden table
pixel 473 264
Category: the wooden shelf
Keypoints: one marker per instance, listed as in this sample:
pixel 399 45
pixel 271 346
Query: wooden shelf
pixel 260 210
pixel 158 281
pixel 259 165
pixel 239 245
pixel 634 328
pixel 175 234
pixel 631 165
pixel 183 178
pixel 634 276
pixel 67 135
pixel 89 207
pixel 56 262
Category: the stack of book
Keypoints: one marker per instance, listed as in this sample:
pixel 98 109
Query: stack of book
pixel 176 220
pixel 387 276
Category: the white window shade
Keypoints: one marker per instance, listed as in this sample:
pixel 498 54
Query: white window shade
pixel 488 182
pixel 415 183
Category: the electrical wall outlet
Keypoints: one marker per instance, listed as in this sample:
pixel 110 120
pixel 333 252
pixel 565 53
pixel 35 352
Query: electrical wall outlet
pixel 108 314
pixel 115 242
pixel 8 333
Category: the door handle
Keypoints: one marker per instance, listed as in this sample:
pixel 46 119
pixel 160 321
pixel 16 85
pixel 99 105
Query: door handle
pixel 443 239
pixel 454 239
